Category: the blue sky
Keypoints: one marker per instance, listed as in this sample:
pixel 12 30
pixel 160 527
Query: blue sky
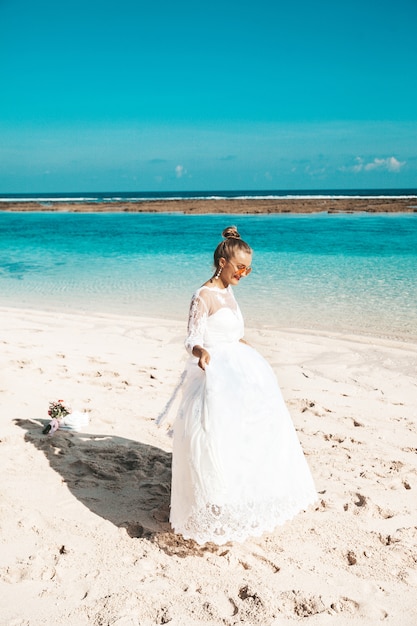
pixel 171 96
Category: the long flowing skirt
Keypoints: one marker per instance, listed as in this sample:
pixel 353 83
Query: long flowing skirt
pixel 238 468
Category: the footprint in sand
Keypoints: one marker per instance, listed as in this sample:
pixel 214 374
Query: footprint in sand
pixel 345 605
pixel 34 568
pixel 308 606
pixel 137 531
pixel 250 606
pixel 363 505
pixel 351 558
pixel 314 407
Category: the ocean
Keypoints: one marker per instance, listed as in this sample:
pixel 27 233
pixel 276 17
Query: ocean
pixel 118 196
pixel 349 273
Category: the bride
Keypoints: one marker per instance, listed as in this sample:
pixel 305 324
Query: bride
pixel 238 468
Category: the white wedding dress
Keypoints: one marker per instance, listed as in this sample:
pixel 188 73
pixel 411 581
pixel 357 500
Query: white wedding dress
pixel 238 468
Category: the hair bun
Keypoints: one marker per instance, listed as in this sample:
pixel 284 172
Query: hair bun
pixel 231 232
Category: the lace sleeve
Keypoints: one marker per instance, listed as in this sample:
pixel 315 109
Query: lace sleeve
pixel 197 320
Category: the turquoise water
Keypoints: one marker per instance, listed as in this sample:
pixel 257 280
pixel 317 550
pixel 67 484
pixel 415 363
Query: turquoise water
pixel 350 273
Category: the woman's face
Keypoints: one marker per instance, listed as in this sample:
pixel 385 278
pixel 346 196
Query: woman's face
pixel 236 268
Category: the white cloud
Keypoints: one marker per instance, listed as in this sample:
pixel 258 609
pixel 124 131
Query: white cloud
pixel 359 165
pixel 180 171
pixel 391 164
pixel 315 171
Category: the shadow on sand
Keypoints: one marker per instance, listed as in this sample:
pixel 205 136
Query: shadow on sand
pixel 123 481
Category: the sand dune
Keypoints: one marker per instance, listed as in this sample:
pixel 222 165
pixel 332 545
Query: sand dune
pixel 84 531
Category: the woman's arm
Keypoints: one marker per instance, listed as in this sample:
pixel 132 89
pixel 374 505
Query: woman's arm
pixel 197 320
pixel 202 355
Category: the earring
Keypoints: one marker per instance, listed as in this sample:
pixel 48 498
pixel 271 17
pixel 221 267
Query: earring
pixel 219 271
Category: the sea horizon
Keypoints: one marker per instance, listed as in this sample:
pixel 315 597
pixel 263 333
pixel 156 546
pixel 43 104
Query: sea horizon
pixel 238 194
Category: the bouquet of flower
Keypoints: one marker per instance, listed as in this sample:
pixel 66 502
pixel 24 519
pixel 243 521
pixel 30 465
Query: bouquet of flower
pixel 63 417
pixel 58 409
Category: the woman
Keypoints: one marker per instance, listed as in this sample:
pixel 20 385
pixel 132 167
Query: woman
pixel 238 469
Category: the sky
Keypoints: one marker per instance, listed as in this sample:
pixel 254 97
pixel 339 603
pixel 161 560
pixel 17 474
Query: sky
pixel 98 95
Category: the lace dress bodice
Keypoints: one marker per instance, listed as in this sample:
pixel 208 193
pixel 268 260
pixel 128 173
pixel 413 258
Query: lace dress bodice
pixel 215 318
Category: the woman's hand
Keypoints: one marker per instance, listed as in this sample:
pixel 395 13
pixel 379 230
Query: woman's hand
pixel 202 355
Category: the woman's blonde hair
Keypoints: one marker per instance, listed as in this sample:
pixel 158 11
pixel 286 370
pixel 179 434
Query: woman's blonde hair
pixel 231 243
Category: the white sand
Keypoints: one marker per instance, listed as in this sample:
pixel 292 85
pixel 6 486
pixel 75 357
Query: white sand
pixel 84 533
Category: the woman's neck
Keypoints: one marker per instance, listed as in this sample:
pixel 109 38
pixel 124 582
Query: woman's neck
pixel 218 282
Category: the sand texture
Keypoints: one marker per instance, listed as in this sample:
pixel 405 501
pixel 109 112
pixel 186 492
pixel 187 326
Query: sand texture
pixel 84 532
pixel 233 206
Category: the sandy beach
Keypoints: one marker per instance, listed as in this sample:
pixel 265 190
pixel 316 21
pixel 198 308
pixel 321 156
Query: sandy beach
pixel 84 532
pixel 224 205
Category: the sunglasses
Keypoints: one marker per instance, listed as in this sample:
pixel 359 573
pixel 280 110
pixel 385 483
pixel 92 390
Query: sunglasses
pixel 241 271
